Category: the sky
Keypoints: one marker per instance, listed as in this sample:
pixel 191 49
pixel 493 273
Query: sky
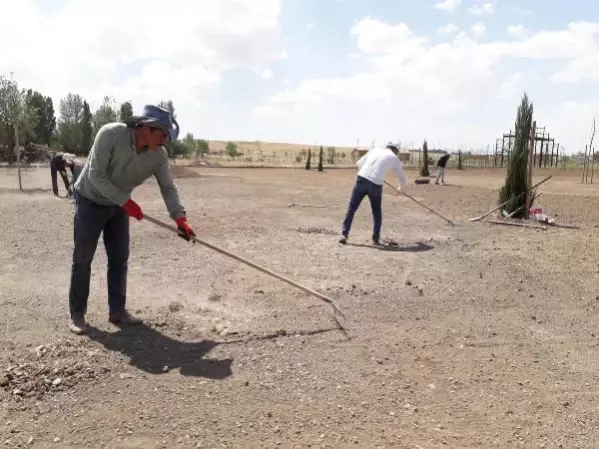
pixel 320 72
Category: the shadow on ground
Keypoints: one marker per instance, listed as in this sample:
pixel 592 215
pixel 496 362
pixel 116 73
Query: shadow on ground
pixel 17 190
pixel 407 248
pixel 150 350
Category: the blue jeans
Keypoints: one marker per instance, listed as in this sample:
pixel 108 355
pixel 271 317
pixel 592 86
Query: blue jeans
pixel 374 192
pixel 90 221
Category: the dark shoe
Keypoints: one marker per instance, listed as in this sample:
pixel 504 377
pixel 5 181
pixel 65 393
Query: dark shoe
pixel 343 239
pixel 77 324
pixel 376 242
pixel 125 318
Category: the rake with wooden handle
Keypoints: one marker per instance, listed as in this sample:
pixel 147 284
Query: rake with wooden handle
pixel 336 310
pixel 420 204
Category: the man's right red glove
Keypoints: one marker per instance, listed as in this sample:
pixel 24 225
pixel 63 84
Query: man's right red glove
pixel 132 209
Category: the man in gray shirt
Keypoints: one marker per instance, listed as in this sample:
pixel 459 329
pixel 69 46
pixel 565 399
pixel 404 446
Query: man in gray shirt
pixel 122 157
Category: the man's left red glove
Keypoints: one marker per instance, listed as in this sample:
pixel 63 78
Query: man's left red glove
pixel 185 231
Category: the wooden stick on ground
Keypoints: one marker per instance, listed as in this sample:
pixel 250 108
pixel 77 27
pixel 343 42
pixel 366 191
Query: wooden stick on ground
pixel 562 225
pixel 515 223
pixel 260 268
pixel 504 203
pixel 423 205
pixel 316 206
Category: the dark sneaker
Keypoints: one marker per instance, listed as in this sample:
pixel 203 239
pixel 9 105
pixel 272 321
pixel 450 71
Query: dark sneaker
pixel 125 318
pixel 376 242
pixel 77 324
pixel 343 239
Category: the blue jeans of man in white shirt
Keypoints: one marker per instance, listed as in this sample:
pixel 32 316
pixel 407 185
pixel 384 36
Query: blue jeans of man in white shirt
pixel 374 192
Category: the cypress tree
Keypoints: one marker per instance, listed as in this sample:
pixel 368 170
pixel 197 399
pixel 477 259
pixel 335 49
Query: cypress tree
pixel 320 168
pixel 309 159
pixel 424 169
pixel 515 181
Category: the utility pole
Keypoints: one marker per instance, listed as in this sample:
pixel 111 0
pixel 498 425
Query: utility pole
pixel 18 149
pixel 531 156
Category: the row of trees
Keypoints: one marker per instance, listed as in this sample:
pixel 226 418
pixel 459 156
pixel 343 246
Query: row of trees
pixel 32 115
pixel 309 160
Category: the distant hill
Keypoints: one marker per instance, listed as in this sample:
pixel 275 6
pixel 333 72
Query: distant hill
pixel 267 148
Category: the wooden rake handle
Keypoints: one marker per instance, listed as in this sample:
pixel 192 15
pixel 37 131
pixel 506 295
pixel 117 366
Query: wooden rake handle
pixel 420 204
pixel 251 264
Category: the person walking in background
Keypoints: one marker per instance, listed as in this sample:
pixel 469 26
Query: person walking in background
pixel 441 163
pixel 372 168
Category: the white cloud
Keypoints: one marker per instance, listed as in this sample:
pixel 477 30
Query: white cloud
pixel 95 52
pixel 578 40
pixel 482 8
pixel 266 74
pixel 516 31
pixel 478 29
pixel 512 88
pixel 448 5
pixel 578 70
pixel 518 10
pixel 310 26
pixel 394 81
pixel 268 111
pixel 408 81
pixel 450 28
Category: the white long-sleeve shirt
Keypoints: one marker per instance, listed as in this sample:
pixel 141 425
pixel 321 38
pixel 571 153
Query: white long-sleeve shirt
pixel 375 164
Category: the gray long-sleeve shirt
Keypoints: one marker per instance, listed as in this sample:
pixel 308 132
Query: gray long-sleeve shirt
pixel 114 168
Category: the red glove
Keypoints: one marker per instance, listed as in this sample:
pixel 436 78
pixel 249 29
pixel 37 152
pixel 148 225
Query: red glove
pixel 185 231
pixel 132 209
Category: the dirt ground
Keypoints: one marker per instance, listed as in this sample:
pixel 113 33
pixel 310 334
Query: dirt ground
pixel 473 336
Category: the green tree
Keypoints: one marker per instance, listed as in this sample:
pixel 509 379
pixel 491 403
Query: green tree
pixel 12 112
pixel 515 187
pixel 87 130
pixel 203 147
pixel 331 154
pixel 176 149
pixel 309 159
pixel 231 149
pixel 190 145
pixel 320 167
pixel 45 121
pixel 460 167
pixel 424 169
pixel 126 111
pixel 106 113
pixel 70 123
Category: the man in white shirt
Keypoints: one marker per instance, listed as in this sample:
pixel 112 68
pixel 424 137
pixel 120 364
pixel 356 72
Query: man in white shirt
pixel 372 168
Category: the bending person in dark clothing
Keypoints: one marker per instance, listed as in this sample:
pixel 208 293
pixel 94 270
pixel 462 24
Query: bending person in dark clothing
pixel 58 164
pixel 441 163
pixel 76 166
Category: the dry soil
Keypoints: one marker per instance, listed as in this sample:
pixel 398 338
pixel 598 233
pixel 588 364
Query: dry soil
pixel 473 336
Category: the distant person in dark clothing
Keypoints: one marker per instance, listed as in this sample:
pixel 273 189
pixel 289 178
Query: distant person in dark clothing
pixel 58 164
pixel 76 166
pixel 441 163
